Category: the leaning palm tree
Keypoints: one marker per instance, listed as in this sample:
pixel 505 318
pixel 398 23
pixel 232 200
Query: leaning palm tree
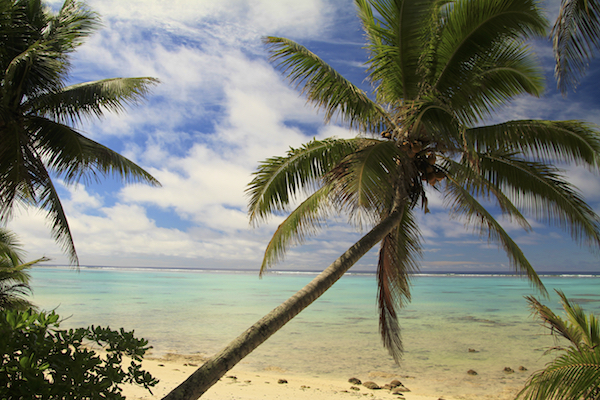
pixel 439 69
pixel 576 373
pixel 38 111
pixel 576 39
pixel 14 278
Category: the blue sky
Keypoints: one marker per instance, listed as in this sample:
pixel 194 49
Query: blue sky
pixel 220 109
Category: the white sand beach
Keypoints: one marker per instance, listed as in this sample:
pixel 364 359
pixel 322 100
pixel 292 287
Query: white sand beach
pixel 273 383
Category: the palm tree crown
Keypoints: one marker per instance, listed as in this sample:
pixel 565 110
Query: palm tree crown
pixel 38 111
pixel 439 69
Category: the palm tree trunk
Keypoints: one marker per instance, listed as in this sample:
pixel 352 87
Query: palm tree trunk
pixel 212 370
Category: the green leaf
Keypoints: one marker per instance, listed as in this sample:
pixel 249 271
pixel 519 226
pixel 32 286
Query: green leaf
pixel 548 141
pixel 279 180
pixel 325 87
pixel 575 374
pixel 462 203
pixel 398 259
pixel 302 221
pixel 576 38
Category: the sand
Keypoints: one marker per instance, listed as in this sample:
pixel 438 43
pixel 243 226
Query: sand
pixel 243 384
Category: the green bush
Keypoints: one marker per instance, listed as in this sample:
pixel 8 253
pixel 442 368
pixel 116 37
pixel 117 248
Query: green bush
pixel 41 361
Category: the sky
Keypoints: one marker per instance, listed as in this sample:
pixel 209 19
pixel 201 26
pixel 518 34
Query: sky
pixel 219 110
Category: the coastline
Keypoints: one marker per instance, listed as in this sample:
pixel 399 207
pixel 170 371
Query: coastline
pixel 272 383
pixel 197 313
pixel 422 273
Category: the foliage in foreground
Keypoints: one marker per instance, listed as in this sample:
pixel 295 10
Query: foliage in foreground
pixel 576 373
pixel 41 361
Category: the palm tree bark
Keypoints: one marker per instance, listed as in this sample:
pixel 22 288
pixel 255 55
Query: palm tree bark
pixel 212 370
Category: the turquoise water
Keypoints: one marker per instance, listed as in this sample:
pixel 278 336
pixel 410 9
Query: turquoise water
pixel 198 312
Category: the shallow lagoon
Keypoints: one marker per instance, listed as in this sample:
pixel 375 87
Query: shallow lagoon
pixel 191 312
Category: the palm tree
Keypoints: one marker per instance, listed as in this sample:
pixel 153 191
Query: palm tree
pixel 576 373
pixel 14 278
pixel 38 111
pixel 439 69
pixel 576 38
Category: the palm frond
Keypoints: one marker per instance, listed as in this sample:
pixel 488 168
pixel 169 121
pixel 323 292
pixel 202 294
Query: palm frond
pixel 493 79
pixel 36 70
pixel 20 169
pixel 12 296
pixel 17 273
pixel 395 46
pixel 25 180
pixel 74 156
pixel 543 191
pixel 472 27
pixel 325 87
pixel 576 38
pixel 71 26
pixel 9 272
pixel 10 249
pixel 47 199
pixel 304 220
pixel 586 325
pixel 36 58
pixel 14 277
pixel 433 121
pixel 549 141
pixel 90 99
pixel 279 180
pixel 576 373
pixel 462 203
pixel 14 31
pixel 475 183
pixel 398 259
pixel 555 323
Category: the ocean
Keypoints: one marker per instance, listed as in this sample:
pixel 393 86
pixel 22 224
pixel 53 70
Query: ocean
pixel 199 312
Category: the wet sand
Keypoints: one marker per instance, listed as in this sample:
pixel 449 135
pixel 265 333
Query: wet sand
pixel 243 383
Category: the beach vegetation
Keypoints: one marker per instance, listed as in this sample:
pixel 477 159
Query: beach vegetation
pixel 440 70
pixel 39 111
pixel 575 39
pixel 41 361
pixel 14 276
pixel 575 374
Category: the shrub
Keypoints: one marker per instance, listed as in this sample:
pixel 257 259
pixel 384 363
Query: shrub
pixel 41 361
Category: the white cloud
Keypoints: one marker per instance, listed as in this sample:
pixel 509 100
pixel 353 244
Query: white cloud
pixel 306 18
pixel 80 199
pixel 585 181
pixel 207 75
pixel 33 232
pixel 440 225
pixel 219 110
